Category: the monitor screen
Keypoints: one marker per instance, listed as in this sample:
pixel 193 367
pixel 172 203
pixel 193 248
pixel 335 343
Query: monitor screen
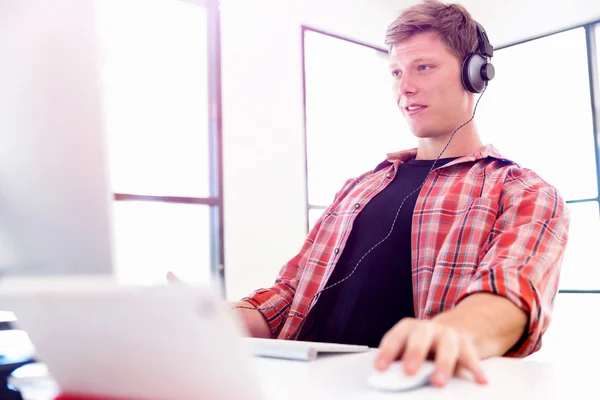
pixel 54 191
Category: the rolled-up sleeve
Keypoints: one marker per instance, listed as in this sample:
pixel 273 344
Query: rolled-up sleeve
pixel 523 258
pixel 274 303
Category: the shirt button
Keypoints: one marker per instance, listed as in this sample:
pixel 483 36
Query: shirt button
pixel 357 205
pixel 337 250
pixel 388 175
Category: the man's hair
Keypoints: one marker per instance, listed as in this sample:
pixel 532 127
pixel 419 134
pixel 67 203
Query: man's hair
pixel 454 24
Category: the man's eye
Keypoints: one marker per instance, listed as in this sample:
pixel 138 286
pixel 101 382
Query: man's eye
pixel 395 73
pixel 423 67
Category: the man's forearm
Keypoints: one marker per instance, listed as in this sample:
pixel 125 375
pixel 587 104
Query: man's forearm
pixel 494 323
pixel 252 319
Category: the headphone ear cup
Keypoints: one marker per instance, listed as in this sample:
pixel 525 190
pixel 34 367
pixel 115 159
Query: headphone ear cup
pixel 471 76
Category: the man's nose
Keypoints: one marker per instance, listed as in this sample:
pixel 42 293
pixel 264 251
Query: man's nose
pixel 406 85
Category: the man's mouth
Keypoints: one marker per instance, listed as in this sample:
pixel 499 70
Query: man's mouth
pixel 414 108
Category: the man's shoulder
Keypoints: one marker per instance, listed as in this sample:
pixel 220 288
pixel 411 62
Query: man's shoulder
pixel 513 171
pixel 526 179
pixel 520 182
pixel 515 178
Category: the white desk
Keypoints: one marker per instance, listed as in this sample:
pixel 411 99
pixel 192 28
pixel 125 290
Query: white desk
pixel 345 377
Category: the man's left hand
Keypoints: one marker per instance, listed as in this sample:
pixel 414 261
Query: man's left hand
pixel 413 341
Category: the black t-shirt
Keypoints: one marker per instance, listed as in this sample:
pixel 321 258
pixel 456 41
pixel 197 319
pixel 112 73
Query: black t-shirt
pixel 379 293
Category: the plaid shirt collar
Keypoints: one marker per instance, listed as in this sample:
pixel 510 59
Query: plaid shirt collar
pixel 400 157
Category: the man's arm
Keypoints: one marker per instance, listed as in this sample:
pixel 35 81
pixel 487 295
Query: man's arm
pixel 482 325
pixel 522 260
pixel 273 304
pixel 507 306
pixel 252 319
pixel 493 323
pixel 270 306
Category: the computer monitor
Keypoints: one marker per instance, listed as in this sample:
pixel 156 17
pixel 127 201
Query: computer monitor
pixel 54 191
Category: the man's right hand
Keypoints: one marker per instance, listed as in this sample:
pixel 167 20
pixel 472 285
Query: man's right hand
pixel 172 278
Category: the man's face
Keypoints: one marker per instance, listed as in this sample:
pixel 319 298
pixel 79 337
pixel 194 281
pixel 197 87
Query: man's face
pixel 427 86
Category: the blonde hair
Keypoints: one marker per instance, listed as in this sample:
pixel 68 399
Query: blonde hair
pixel 456 27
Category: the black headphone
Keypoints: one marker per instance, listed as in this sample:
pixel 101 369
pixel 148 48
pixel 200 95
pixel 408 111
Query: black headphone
pixel 477 69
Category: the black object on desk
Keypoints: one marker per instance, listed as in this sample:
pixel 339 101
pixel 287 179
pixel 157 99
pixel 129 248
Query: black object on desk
pixel 5 326
pixel 7 366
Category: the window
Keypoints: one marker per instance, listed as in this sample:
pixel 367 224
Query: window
pixel 351 118
pixel 164 144
pixel 152 236
pixel 537 112
pixel 540 99
pixel 580 267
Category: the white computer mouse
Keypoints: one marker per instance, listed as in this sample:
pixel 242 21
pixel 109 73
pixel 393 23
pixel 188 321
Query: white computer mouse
pixel 395 379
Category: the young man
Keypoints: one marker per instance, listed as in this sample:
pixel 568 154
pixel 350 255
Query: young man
pixel 447 251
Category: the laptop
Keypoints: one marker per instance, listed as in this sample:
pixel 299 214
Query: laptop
pixel 102 339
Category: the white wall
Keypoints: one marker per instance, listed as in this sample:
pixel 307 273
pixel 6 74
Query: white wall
pixel 262 133
pixel 264 165
pixel 510 21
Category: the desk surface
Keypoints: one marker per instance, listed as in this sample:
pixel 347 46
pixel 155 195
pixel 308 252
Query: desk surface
pixel 345 377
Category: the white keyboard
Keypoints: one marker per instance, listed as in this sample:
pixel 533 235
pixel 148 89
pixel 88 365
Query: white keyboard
pixel 298 350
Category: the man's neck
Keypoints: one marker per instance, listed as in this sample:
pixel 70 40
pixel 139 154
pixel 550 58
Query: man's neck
pixel 463 143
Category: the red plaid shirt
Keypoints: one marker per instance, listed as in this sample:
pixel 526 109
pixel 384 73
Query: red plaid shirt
pixel 481 223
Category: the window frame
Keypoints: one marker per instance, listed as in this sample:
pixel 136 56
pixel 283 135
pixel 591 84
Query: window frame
pixel 304 29
pixel 215 148
pixel 594 82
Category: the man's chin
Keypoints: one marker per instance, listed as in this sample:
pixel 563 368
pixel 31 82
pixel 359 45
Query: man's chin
pixel 424 134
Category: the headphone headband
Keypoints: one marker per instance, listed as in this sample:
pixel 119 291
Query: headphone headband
pixel 485 48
